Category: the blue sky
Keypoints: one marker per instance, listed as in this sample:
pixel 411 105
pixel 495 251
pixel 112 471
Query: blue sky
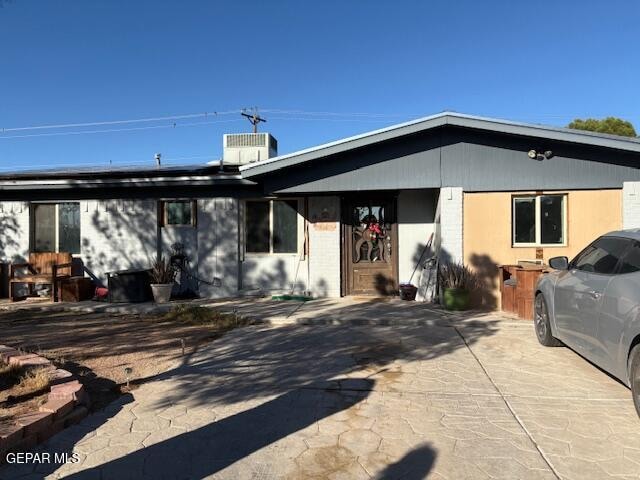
pixel 89 61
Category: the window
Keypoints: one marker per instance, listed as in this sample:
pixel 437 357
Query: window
pixel 601 256
pixel 539 220
pixel 55 227
pixel 272 226
pixel 179 213
pixel 631 260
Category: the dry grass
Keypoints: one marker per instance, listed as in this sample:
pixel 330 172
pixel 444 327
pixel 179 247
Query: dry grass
pixel 203 316
pixel 33 381
pixel 100 348
pixel 9 374
pixel 22 390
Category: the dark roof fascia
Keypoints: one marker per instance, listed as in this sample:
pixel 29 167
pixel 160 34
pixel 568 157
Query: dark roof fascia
pixel 71 184
pixel 123 173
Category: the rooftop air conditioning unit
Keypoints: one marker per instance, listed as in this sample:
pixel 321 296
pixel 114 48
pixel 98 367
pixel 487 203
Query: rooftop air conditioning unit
pixel 243 148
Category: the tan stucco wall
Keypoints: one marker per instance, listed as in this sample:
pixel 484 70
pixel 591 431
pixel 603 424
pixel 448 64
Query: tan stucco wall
pixel 487 231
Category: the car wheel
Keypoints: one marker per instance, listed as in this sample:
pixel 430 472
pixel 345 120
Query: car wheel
pixel 542 324
pixel 634 376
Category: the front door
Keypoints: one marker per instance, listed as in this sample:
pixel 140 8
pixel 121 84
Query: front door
pixel 370 246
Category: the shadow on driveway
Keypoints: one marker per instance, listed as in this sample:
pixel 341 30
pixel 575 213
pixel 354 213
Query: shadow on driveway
pixel 273 382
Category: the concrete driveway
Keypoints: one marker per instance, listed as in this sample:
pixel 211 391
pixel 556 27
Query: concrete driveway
pixel 431 395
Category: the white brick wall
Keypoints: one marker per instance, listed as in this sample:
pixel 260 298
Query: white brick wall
pixel 218 260
pixel 14 231
pixel 121 234
pixel 324 246
pixel 117 235
pixel 450 225
pixel 631 205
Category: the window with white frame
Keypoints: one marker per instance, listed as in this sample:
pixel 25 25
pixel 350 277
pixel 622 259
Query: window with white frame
pixel 539 220
pixel 271 226
pixel 55 227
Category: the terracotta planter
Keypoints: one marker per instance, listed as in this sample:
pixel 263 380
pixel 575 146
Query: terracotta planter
pixel 456 299
pixel 161 292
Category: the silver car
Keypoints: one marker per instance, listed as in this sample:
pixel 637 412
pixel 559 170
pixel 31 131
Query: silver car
pixel 592 304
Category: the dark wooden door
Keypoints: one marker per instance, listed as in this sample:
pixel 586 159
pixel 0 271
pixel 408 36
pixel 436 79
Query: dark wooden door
pixel 370 246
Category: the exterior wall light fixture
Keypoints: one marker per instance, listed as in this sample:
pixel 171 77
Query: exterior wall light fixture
pixel 535 155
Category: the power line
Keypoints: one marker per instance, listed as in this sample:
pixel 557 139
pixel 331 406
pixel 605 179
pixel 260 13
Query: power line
pixel 299 113
pixel 84 132
pixel 116 122
pixel 194 115
pixel 337 114
pixel 375 120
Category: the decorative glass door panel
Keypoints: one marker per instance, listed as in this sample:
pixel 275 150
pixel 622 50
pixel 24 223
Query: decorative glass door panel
pixel 369 231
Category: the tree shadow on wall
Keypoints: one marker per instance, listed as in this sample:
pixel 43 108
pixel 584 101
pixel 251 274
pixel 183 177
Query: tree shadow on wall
pixel 10 230
pixel 274 277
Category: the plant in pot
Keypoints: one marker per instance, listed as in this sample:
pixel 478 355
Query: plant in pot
pixel 163 275
pixel 456 281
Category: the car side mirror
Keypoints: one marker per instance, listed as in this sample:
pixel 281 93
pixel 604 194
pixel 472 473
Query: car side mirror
pixel 559 263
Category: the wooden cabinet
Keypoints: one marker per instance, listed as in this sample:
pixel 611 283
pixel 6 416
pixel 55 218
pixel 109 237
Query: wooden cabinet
pixel 517 288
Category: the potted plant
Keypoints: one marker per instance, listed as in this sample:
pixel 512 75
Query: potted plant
pixel 163 274
pixel 456 281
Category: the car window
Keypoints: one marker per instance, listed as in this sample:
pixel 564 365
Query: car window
pixel 602 255
pixel 631 260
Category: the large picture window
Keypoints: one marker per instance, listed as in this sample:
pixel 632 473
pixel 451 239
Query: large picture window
pixel 271 226
pixel 539 220
pixel 55 227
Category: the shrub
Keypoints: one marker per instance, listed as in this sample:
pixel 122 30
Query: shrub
pixel 457 275
pixel 163 272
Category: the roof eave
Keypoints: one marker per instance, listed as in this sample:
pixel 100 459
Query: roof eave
pixel 427 123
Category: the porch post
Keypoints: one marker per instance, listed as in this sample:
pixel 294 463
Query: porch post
pixel 631 205
pixel 450 225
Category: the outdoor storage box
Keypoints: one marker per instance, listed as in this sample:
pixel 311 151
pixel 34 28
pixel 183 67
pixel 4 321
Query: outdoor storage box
pixel 129 286
pixel 76 289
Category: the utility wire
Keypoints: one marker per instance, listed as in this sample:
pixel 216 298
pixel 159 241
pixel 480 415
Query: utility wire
pixel 195 115
pixel 108 130
pixel 304 113
pixel 116 122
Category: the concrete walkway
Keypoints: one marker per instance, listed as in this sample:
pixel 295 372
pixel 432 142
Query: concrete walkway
pixel 430 395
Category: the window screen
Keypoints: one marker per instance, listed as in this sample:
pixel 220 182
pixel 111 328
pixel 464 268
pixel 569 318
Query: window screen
pixel 179 212
pixel 257 227
pixel 44 228
pixel 69 227
pixel 56 227
pixel 524 220
pixel 285 226
pixel 552 219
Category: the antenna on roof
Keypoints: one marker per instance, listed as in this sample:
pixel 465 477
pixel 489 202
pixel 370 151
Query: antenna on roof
pixel 158 156
pixel 253 118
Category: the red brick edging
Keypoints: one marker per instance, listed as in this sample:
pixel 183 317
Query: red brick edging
pixel 67 404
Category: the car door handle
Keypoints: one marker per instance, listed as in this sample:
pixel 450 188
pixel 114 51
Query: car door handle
pixel 595 294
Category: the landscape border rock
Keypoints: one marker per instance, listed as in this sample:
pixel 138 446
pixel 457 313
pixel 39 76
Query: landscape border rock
pixel 67 404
